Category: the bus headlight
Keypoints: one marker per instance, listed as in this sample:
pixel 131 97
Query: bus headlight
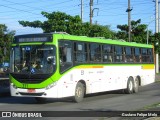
pixel 51 85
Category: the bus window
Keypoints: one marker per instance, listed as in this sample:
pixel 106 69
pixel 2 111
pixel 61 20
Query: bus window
pixel 144 55
pixel 35 59
pixel 128 54
pixel 80 54
pixel 118 54
pixel 107 53
pixel 137 55
pixel 150 55
pixel 95 52
pixel 65 55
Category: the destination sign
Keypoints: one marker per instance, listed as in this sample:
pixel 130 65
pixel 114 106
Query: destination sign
pixel 35 38
pixel 39 39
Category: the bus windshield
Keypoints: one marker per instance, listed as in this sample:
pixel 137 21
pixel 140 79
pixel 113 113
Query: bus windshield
pixel 33 59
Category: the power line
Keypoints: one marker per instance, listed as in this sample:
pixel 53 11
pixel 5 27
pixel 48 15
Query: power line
pixel 23 2
pixel 73 8
pixel 51 5
pixel 19 9
pixel 22 5
pixel 34 8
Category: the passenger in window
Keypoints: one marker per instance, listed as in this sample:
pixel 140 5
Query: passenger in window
pixel 110 58
pixel 125 59
pixel 25 66
pixel 63 52
pixel 140 58
pixel 134 59
pixel 97 55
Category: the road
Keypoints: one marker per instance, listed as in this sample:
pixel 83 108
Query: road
pixel 108 101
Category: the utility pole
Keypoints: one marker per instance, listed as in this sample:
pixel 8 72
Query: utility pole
pixel 158 17
pixel 129 21
pixel 157 30
pixel 92 10
pixel 91 13
pixel 82 10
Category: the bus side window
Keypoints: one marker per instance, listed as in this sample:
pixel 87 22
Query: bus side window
pixel 144 55
pixel 107 53
pixel 118 54
pixel 95 52
pixel 65 55
pixel 80 54
pixel 128 54
pixel 137 55
pixel 150 55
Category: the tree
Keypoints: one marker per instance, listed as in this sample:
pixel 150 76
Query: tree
pixel 61 22
pixel 138 32
pixel 101 31
pixel 155 39
pixel 6 38
pixel 56 21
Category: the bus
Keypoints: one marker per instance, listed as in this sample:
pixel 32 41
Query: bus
pixel 59 65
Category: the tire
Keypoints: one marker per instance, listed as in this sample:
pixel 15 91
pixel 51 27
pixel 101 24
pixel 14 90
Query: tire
pixel 79 92
pixel 136 85
pixel 130 86
pixel 40 100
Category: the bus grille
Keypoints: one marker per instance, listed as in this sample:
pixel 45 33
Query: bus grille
pixel 35 94
pixel 30 78
pixel 31 81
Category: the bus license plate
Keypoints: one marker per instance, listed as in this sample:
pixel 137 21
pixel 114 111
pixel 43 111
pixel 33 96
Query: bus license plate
pixel 31 90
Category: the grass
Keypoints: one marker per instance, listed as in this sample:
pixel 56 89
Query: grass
pixel 150 107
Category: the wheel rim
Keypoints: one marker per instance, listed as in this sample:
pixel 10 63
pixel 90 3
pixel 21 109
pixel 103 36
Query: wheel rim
pixel 79 92
pixel 130 86
pixel 136 84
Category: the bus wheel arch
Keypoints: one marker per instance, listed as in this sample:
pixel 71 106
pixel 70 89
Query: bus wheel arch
pixel 80 91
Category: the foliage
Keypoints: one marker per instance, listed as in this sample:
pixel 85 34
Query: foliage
pixel 61 22
pixel 156 41
pixel 6 38
pixel 138 32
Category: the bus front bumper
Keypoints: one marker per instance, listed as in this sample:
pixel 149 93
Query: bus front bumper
pixel 31 92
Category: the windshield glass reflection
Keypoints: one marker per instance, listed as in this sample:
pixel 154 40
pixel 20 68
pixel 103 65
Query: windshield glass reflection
pixel 39 59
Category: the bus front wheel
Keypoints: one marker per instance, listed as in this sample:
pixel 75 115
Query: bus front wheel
pixel 79 92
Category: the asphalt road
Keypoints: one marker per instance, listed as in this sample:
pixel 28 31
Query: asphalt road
pixel 108 101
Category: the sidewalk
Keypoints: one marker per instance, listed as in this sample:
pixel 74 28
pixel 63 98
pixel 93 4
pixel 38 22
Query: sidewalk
pixel 155 107
pixel 157 77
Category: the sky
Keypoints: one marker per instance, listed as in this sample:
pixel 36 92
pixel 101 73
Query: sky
pixel 106 12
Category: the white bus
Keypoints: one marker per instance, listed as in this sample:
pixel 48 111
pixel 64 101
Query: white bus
pixel 61 65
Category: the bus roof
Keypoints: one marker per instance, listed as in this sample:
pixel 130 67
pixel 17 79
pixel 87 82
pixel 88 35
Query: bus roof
pixel 100 40
pixel 64 36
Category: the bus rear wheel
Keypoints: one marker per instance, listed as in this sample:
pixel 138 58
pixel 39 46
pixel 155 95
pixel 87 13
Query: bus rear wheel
pixel 79 92
pixel 136 85
pixel 130 86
